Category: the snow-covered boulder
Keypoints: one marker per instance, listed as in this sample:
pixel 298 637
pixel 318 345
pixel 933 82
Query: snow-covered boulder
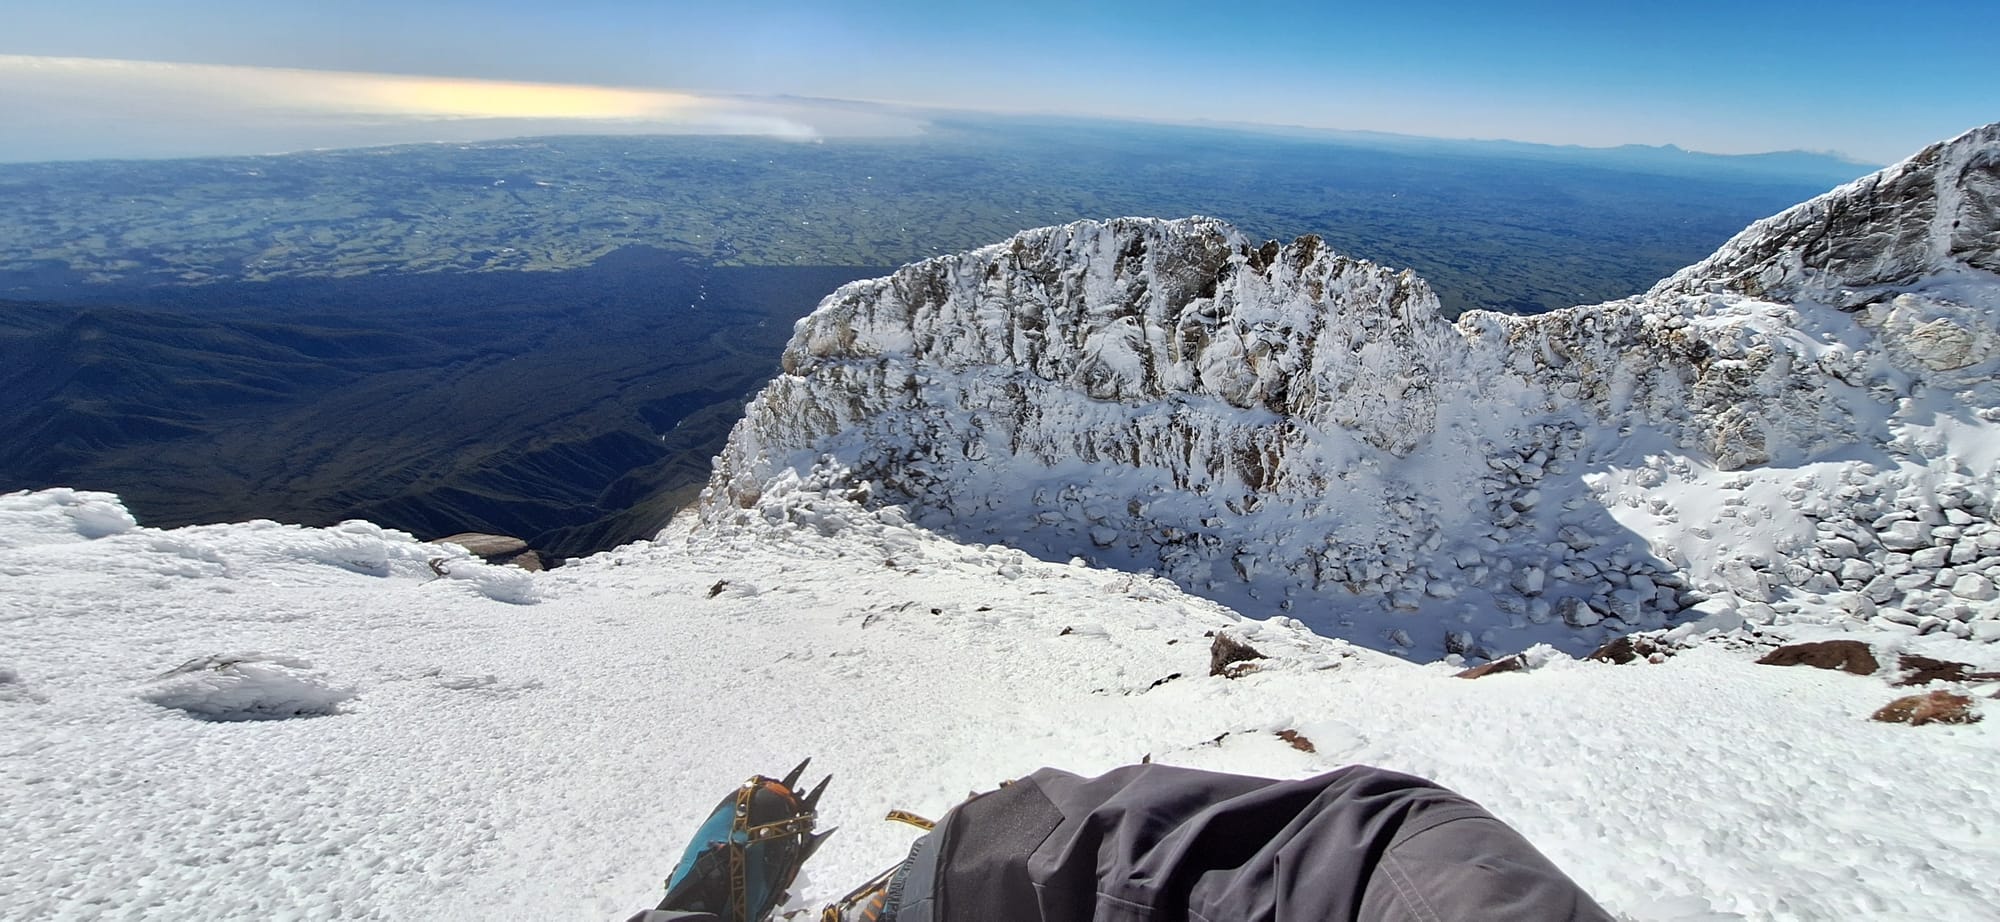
pixel 248 686
pixel 61 515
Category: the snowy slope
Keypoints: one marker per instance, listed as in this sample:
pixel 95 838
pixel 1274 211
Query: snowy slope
pixel 1806 419
pixel 537 746
pixel 1794 439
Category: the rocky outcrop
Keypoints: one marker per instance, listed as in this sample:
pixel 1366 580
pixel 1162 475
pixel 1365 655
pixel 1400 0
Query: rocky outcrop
pixel 1285 428
pixel 1936 210
pixel 497 549
pixel 1226 652
pixel 1276 420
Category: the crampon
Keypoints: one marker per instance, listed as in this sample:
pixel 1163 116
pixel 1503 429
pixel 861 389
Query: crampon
pixel 744 857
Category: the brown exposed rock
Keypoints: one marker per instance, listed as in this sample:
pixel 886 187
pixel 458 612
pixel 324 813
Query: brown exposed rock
pixel 1845 655
pixel 1941 707
pixel 1297 739
pixel 1922 670
pixel 485 545
pixel 497 549
pixel 1504 664
pixel 1227 651
pixel 1623 650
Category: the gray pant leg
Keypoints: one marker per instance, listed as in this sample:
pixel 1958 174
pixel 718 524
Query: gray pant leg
pixel 1470 868
pixel 1156 843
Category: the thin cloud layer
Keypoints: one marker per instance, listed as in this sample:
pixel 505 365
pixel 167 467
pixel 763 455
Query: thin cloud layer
pixel 68 108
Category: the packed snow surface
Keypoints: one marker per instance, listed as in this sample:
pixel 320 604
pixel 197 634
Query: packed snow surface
pixel 1798 438
pixel 538 746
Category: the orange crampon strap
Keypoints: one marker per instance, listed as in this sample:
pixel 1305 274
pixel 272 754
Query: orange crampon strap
pixel 862 904
pixel 867 902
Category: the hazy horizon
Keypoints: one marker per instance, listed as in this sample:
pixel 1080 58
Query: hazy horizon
pixel 79 109
pixel 123 78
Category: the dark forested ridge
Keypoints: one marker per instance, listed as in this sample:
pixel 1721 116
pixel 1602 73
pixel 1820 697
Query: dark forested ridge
pixel 570 408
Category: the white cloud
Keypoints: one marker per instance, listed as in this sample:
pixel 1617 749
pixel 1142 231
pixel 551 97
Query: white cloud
pixel 64 108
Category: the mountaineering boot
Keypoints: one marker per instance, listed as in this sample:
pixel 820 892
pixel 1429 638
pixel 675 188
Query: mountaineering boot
pixel 745 855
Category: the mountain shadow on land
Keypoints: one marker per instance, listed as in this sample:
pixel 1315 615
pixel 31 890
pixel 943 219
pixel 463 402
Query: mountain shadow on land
pixel 574 409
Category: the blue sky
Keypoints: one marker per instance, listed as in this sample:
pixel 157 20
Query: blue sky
pixel 1875 81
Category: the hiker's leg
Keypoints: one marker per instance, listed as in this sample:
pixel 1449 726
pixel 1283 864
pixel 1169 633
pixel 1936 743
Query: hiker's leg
pixel 1359 843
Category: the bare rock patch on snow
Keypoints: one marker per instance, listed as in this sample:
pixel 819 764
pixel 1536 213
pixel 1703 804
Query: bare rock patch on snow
pixel 1515 663
pixel 1941 707
pixel 1849 656
pixel 500 550
pixel 14 690
pixel 1914 669
pixel 1228 656
pixel 1633 648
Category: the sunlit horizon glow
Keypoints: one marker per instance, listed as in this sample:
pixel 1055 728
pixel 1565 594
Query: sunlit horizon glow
pixel 490 99
pixel 359 93
pixel 68 108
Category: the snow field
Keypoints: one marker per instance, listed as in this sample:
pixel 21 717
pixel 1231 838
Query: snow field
pixel 546 760
pixel 1792 439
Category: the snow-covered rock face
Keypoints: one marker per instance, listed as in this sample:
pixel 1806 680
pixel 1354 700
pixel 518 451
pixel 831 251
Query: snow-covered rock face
pixel 1284 428
pixel 1137 310
pixel 1936 209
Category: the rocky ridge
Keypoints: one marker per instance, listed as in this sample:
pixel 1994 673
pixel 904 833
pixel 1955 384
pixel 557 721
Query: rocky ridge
pixel 1804 418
